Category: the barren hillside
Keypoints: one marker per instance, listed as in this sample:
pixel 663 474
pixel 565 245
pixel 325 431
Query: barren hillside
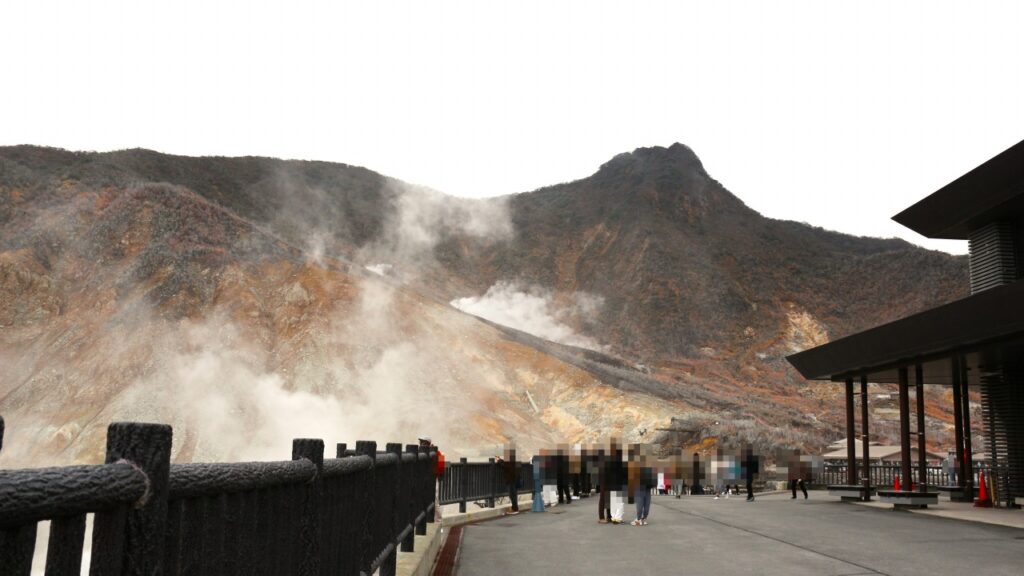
pixel 250 300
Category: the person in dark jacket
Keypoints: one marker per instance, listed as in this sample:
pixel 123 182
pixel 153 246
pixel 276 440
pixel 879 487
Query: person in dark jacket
pixel 562 475
pixel 750 468
pixel 511 470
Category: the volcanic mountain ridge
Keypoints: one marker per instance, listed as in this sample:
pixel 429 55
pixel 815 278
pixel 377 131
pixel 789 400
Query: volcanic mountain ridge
pixel 248 300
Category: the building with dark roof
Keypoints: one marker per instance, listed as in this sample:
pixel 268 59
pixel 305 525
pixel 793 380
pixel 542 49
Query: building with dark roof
pixel 976 343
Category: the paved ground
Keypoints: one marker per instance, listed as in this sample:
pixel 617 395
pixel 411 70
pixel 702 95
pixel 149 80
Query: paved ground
pixel 774 535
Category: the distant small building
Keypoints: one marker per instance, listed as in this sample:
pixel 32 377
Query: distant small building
pixel 841 443
pixel 880 453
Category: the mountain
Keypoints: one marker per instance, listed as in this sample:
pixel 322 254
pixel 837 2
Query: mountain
pixel 249 300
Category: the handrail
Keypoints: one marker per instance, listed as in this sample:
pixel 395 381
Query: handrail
pixel 201 480
pixel 32 495
pixel 305 516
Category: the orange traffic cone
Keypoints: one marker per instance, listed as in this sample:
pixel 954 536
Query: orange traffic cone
pixel 983 500
pixel 896 484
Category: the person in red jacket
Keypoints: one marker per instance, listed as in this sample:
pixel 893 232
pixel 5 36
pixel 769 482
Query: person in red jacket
pixel 427 444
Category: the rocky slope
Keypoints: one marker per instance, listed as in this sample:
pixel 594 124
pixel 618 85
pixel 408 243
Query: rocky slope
pixel 250 300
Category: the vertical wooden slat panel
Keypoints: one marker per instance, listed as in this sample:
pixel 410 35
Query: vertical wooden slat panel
pixel 16 548
pixel 106 556
pixel 233 507
pixel 172 543
pixel 64 552
pixel 247 533
pixel 191 536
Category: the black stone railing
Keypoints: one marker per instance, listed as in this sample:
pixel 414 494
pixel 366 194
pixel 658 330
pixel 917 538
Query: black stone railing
pixel 470 481
pixel 305 516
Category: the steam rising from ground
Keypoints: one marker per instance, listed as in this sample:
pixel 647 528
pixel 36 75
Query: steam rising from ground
pixel 534 310
pixel 422 218
pixel 273 361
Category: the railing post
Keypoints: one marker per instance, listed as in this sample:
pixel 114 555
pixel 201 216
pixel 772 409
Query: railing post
pixel 134 544
pixel 494 482
pixel 389 567
pixel 463 484
pixel 366 553
pixel 413 509
pixel 311 527
pixel 435 488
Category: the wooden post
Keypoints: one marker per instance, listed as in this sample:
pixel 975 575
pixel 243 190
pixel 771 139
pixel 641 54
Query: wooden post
pixel 311 526
pixel 922 453
pixel 865 437
pixel 463 484
pixel 965 406
pixel 494 482
pixel 368 448
pixel 413 498
pixel 851 448
pixel 389 566
pixel 904 428
pixel 139 534
pixel 958 426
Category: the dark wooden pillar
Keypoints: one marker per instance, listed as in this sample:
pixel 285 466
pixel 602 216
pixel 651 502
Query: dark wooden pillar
pixel 922 453
pixel 965 406
pixel 851 447
pixel 904 429
pixel 865 437
pixel 958 425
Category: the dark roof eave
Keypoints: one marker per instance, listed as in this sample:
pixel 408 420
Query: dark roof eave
pixel 989 191
pixel 983 317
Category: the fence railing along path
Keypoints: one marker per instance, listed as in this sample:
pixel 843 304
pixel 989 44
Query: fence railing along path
pixel 884 474
pixel 471 481
pixel 306 516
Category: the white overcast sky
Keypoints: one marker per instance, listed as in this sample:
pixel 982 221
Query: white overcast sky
pixel 836 114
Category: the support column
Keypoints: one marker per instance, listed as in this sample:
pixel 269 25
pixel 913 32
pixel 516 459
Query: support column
pixel 922 453
pixel 965 406
pixel 958 426
pixel 851 448
pixel 904 429
pixel 865 437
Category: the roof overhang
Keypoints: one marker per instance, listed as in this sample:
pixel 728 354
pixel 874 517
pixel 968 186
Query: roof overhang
pixel 990 192
pixel 987 327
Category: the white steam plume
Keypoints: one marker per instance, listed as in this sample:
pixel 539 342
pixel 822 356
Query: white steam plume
pixel 534 310
pixel 422 218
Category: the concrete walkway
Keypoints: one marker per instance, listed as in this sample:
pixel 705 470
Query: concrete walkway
pixel 774 535
pixel 963 511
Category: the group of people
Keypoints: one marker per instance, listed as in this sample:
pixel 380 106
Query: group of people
pixel 621 475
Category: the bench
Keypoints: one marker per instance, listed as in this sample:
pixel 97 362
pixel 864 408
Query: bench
pixel 956 493
pixel 850 492
pixel 908 499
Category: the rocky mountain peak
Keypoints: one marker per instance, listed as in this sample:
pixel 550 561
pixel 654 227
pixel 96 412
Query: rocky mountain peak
pixel 655 160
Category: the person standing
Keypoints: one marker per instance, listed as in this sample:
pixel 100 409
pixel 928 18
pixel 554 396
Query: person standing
pixel 604 512
pixel 562 475
pixel 617 480
pixel 511 471
pixel 645 482
pixel 749 469
pixel 427 444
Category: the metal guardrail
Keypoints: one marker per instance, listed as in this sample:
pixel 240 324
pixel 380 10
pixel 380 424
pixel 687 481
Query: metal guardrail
pixel 885 474
pixel 305 516
pixel 464 482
